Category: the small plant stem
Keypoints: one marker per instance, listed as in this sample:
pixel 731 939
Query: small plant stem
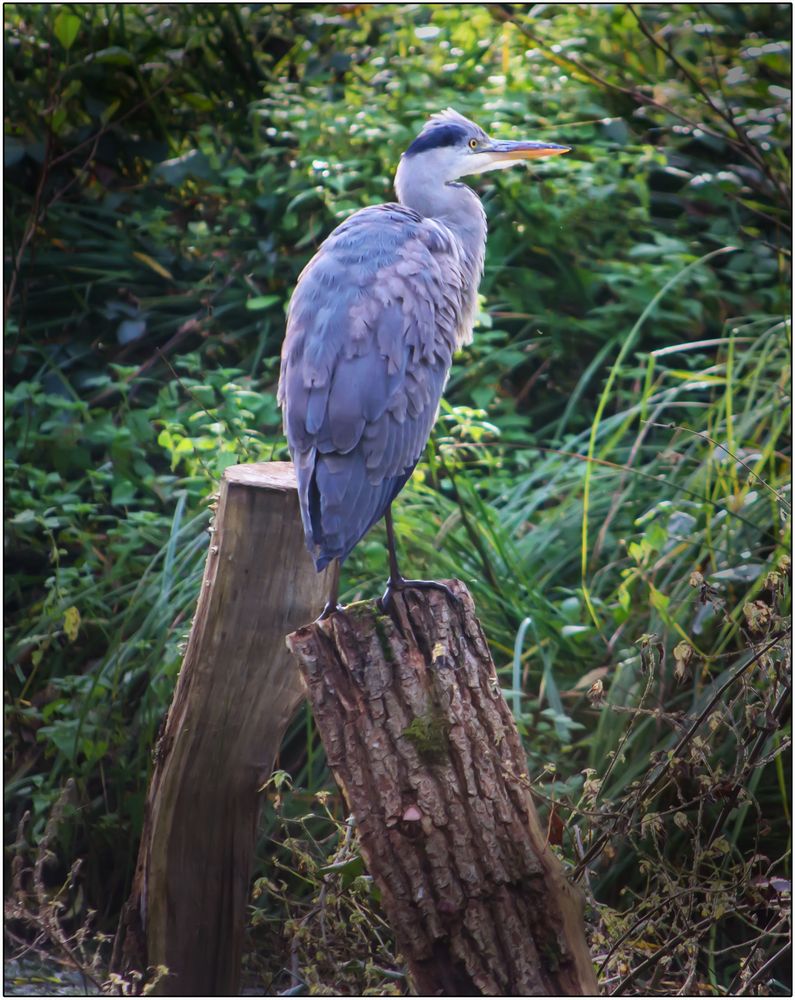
pixel 763 969
pixel 665 949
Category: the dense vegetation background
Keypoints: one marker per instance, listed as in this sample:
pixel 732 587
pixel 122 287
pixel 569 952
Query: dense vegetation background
pixel 609 474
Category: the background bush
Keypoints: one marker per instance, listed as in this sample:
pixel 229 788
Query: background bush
pixel 609 474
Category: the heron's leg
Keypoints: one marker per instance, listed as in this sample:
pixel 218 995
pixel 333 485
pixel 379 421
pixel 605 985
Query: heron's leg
pixel 394 572
pixel 332 604
pixel 396 580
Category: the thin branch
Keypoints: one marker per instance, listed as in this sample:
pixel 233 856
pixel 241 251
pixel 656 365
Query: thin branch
pixel 763 969
pixel 716 444
pixel 39 213
pixel 699 87
pixel 500 11
pixel 726 115
pixel 665 949
pixel 643 792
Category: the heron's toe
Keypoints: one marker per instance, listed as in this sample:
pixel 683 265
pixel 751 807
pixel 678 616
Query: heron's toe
pixel 331 608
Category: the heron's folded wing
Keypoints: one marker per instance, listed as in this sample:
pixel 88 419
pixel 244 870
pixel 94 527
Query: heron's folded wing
pixel 363 369
pixel 355 487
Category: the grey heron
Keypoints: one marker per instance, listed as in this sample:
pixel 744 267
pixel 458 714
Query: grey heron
pixel 372 326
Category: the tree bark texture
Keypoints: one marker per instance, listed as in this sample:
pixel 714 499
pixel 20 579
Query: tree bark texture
pixel 425 749
pixel 236 693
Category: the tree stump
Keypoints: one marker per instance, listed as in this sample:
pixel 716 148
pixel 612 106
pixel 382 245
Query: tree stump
pixel 235 695
pixel 425 749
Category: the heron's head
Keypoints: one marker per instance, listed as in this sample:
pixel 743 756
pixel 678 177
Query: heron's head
pixel 451 146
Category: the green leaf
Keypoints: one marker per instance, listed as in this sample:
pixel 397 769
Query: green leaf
pixel 58 120
pixel 193 164
pixel 122 493
pixel 659 600
pixel 113 54
pixel 66 28
pixel 71 623
pixel 109 111
pixel 62 735
pixel 262 302
pixel 24 517
pixel 349 870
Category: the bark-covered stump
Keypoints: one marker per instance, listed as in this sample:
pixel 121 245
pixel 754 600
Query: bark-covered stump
pixel 425 749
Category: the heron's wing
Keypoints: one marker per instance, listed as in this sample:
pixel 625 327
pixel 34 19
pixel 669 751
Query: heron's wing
pixel 372 327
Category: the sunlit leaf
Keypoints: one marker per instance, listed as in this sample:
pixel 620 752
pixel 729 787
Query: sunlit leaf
pixel 155 265
pixel 66 27
pixel 71 623
pixel 260 302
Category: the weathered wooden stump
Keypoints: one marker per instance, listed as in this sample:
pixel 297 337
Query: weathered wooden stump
pixel 236 693
pixel 425 749
pixel 418 736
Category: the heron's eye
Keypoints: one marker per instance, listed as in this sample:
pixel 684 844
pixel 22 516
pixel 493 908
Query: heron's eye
pixel 473 143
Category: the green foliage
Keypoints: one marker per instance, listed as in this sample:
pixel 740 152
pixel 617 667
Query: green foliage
pixel 609 474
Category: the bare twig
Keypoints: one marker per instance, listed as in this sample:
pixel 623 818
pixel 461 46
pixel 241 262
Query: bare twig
pixel 505 13
pixel 717 444
pixel 726 115
pixel 764 968
pixel 645 790
pixel 38 212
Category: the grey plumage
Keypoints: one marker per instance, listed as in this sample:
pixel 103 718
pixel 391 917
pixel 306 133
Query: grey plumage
pixel 372 327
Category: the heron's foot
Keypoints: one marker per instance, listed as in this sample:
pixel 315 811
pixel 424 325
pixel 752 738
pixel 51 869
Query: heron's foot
pixel 395 584
pixel 331 608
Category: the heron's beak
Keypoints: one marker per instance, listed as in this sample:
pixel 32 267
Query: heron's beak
pixel 499 154
pixel 512 152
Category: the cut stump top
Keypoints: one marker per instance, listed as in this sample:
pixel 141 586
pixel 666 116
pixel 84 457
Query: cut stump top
pixel 266 475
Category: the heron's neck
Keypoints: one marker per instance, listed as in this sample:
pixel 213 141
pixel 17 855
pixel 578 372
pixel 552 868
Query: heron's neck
pixel 455 205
